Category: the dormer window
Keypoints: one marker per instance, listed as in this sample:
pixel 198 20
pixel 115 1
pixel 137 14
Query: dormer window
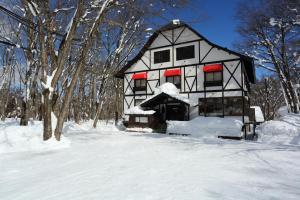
pixel 186 52
pixel 162 56
pixel 140 81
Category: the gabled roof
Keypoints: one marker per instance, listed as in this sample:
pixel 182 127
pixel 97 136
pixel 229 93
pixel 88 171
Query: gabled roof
pixel 166 90
pixel 248 61
pixel 157 98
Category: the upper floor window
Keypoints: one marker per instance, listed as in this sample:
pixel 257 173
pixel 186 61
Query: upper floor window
pixel 162 56
pixel 140 85
pixel 176 80
pixel 213 78
pixel 140 81
pixel 213 75
pixel 186 52
pixel 173 76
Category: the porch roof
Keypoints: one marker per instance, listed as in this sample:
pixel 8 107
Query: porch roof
pixel 156 99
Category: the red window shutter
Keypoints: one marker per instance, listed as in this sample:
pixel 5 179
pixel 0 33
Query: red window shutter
pixel 172 72
pixel 142 75
pixel 213 68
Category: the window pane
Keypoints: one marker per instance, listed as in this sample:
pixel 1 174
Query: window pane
pixel 143 82
pixel 137 119
pixel 162 56
pixel 176 80
pixel 137 83
pixel 214 107
pixel 143 119
pixel 169 79
pixel 217 76
pixel 209 76
pixel 186 52
pixel 233 106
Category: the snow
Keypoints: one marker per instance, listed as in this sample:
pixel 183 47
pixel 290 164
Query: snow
pixel 207 127
pixel 284 131
pixel 139 129
pixel 16 138
pixel 105 163
pixel 137 110
pixel 259 117
pixel 171 90
pixel 176 21
pixel 47 85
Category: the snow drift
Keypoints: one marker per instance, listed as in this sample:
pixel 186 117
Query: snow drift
pixel 207 126
pixel 285 130
pixel 15 138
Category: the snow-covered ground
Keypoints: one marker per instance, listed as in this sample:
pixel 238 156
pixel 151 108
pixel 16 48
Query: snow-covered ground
pixel 110 164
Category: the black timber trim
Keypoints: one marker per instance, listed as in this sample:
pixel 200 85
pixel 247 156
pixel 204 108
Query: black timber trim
pixel 160 32
pixel 250 69
pixel 175 44
pixel 232 74
pixel 145 63
pixel 204 63
pixel 179 34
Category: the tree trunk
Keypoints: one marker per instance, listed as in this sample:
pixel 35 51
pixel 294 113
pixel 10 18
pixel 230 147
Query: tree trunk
pixel 47 115
pixel 24 114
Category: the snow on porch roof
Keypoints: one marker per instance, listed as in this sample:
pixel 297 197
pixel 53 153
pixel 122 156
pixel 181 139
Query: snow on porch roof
pixel 137 110
pixel 168 89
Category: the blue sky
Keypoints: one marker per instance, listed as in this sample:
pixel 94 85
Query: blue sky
pixel 214 19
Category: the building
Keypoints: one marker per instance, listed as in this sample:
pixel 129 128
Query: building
pixel 211 80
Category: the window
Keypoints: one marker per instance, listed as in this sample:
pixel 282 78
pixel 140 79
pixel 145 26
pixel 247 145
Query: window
pixel 186 52
pixel 140 85
pixel 162 56
pixel 211 107
pixel 233 106
pixel 176 80
pixel 213 79
pixel 141 119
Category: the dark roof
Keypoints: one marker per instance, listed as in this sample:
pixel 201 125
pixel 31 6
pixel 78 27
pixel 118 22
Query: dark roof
pixel 248 61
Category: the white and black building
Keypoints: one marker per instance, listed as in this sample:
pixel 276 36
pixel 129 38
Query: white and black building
pixel 217 80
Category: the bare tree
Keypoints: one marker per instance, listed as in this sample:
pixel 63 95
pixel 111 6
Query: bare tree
pixel 270 30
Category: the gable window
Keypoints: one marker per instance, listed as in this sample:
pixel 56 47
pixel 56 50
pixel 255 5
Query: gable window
pixel 173 76
pixel 211 107
pixel 213 75
pixel 186 52
pixel 162 56
pixel 140 81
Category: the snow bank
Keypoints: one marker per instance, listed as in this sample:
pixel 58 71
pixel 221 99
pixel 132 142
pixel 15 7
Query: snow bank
pixel 87 126
pixel 285 130
pixel 139 129
pixel 259 117
pixel 207 126
pixel 15 138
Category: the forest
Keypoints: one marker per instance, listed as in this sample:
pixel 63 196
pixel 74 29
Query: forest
pixel 58 58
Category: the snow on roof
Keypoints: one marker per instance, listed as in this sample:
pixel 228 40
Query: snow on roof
pixel 207 127
pixel 259 117
pixel 137 110
pixel 176 21
pixel 169 89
